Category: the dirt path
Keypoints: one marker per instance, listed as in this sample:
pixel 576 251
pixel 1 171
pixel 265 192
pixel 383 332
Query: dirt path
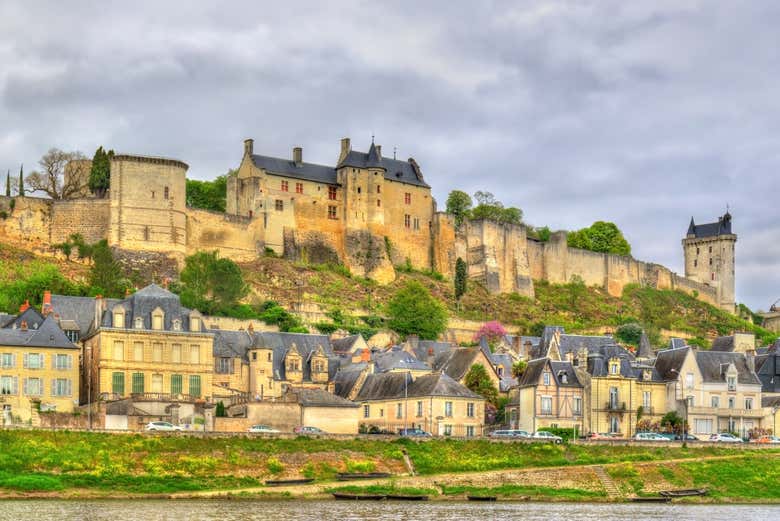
pixel 582 477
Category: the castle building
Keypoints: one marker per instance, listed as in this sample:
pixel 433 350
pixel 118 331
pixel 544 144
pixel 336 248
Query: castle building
pixel 709 258
pixel 368 210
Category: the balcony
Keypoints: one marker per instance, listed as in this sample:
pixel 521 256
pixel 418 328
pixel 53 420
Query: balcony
pixel 725 412
pixel 164 397
pixel 614 406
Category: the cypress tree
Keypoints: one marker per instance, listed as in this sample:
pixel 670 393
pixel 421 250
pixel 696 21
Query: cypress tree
pixel 100 174
pixel 21 181
pixel 8 183
pixel 461 273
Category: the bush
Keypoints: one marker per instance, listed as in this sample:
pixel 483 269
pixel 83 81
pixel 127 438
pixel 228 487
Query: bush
pixel 274 466
pixel 629 333
pixel 413 311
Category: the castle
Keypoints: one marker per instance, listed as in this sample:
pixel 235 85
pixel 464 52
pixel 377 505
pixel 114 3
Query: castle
pixel 367 211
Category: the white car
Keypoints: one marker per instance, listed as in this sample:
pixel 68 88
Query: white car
pixel 162 426
pixel 509 433
pixel 725 438
pixel 262 429
pixel 546 436
pixel 650 436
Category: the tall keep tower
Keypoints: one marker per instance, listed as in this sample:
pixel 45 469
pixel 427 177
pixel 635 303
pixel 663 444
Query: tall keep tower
pixel 709 258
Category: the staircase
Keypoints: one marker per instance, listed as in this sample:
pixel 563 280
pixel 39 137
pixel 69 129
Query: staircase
pixel 611 488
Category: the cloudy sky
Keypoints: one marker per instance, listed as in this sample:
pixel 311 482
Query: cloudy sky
pixel 642 113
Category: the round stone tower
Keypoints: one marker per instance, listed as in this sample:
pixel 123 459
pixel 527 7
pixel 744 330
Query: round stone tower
pixel 148 204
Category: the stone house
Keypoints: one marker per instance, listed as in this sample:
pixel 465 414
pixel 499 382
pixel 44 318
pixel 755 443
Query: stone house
pixel 39 368
pixel 457 362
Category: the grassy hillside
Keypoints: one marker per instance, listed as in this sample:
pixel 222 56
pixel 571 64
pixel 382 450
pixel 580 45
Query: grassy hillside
pixel 357 303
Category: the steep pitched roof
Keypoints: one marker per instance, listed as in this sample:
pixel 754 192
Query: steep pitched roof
pixel 645 349
pixel 675 343
pixel 48 334
pixel 712 365
pixel 395 358
pixel 344 345
pixel 29 316
pixel 564 374
pixel 722 227
pixel 232 344
pixel 723 343
pixel 669 362
pixel 407 172
pixel 768 371
pixel 143 302
pixel 533 372
pixel 320 398
pixel 388 386
pixel 305 344
pixel 422 348
pixel 346 379
pixel 457 362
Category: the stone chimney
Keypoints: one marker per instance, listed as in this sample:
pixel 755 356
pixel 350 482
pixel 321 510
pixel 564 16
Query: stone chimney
pixel 98 310
pixel 24 307
pixel 297 156
pixel 365 355
pixel 750 358
pixel 378 150
pixel 250 328
pixel 345 148
pixel 249 147
pixel 46 308
pixel 582 358
pixel 431 356
pixel 23 325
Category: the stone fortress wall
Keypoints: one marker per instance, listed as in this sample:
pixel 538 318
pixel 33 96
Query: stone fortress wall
pixel 146 214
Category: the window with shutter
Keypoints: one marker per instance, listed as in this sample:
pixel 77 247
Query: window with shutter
pixel 176 384
pixel 194 354
pixel 118 383
pixel 138 383
pixel 195 385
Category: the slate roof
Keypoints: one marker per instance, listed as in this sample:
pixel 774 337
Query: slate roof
pixel 770 401
pixel 712 365
pixel 768 371
pixel 645 349
pixel 456 362
pixel 669 362
pixel 143 302
pixel 344 345
pixel 533 372
pixel 344 380
pixel 723 343
pixel 675 343
pixel 568 343
pixel 320 398
pixel 305 343
pixel 402 171
pixel 232 344
pixel 5 319
pixel 559 369
pixel 423 347
pixel 30 316
pixel 79 309
pixel 598 361
pixel 389 386
pixel 48 334
pixel 396 358
pixel 722 227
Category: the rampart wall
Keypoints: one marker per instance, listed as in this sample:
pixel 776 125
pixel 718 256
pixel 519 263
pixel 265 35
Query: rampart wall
pixel 236 237
pixel 88 217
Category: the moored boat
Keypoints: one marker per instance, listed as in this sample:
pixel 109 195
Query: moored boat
pixel 346 476
pixel 401 497
pixel 282 482
pixel 650 499
pixel 482 498
pixel 684 492
pixel 359 497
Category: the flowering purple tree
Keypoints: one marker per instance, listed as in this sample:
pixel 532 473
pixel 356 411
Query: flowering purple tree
pixel 492 330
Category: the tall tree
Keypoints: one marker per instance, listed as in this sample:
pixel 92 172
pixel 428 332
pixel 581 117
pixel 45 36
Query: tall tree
pixel 21 180
pixel 461 275
pixel 209 195
pixel 8 183
pixel 458 204
pixel 100 173
pixel 52 179
pixel 601 236
pixel 478 380
pixel 105 277
pixel 211 284
pixel 413 311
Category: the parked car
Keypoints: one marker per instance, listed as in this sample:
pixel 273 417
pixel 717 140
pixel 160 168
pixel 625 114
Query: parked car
pixel 413 432
pixel 725 437
pixel 546 436
pixel 510 433
pixel 162 426
pixel 766 439
pixel 308 430
pixel 262 429
pixel 650 436
pixel 604 436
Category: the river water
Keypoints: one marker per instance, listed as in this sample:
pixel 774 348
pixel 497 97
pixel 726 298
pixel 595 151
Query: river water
pixel 248 510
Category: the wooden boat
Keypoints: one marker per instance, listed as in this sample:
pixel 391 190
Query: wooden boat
pixel 346 476
pixel 282 482
pixel 359 497
pixel 684 492
pixel 398 497
pixel 650 499
pixel 482 498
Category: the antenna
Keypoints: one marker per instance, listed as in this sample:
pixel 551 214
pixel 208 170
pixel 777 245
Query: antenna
pixel 394 148
pixel 372 138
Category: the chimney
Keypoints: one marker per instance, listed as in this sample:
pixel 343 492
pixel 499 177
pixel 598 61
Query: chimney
pixel 46 308
pixel 431 358
pixel 378 150
pixel 24 307
pixel 365 355
pixel 98 310
pixel 750 358
pixel 249 147
pixel 582 358
pixel 23 325
pixel 345 148
pixel 297 156
pixel 250 328
pixel 517 344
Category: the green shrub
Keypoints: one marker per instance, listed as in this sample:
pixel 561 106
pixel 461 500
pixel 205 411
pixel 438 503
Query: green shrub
pixel 274 466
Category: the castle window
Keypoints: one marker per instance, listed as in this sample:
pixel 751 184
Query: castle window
pixel 332 193
pixel 166 193
pixel 359 189
pixel 298 188
pixel 378 203
pixel 146 233
pixel 379 189
pixel 712 276
pixel 710 249
pixel 408 198
pixel 695 263
pixel 407 220
pixel 285 186
pixel 710 262
pixel 416 223
pixel 279 205
pixel 697 251
pixel 332 212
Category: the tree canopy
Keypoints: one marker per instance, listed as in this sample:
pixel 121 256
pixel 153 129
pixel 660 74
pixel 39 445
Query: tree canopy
pixel 100 173
pixel 488 207
pixel 413 311
pixel 461 278
pixel 106 276
pixel 629 333
pixel 478 380
pixel 601 236
pixel 51 179
pixel 208 195
pixel 459 204
pixel 211 284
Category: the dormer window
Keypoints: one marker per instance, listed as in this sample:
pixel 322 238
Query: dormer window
pixel 176 324
pixel 139 323
pixel 157 319
pixel 732 383
pixel 614 367
pixel 546 378
pixel 119 317
pixel 194 322
pixel 563 377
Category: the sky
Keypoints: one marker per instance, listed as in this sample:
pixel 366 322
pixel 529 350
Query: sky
pixel 641 113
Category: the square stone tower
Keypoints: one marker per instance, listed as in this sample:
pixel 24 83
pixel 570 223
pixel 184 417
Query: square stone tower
pixel 710 258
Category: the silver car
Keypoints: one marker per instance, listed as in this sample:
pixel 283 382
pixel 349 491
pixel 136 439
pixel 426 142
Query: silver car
pixel 263 429
pixel 546 436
